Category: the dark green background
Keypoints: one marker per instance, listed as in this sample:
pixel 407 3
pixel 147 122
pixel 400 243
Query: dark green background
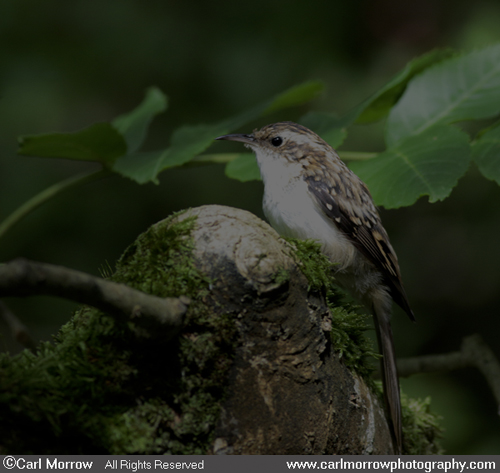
pixel 65 65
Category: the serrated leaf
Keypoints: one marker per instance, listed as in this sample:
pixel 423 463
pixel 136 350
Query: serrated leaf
pixel 134 125
pixel 244 168
pixel 100 142
pixel 380 103
pixel 428 164
pixel 462 88
pixel 326 125
pixel 486 153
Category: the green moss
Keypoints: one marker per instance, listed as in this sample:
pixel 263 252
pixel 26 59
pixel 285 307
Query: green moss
pixel 420 426
pixel 281 276
pixel 101 389
pixel 421 429
pixel 313 263
pixel 348 325
pixel 350 340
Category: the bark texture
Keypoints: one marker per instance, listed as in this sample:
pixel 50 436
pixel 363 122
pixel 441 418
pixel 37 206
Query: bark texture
pixel 251 369
pixel 288 392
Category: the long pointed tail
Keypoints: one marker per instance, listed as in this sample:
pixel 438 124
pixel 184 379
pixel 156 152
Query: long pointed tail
pixel 389 375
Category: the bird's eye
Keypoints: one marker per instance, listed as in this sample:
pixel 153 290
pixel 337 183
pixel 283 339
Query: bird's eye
pixel 276 141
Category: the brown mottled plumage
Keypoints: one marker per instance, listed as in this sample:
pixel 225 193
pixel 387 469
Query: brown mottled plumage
pixel 310 193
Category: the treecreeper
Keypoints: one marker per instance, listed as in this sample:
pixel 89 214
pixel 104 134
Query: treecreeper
pixel 309 193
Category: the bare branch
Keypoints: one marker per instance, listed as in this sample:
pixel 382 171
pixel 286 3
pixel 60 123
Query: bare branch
pixel 21 278
pixel 475 348
pixel 432 363
pixel 474 352
pixel 17 328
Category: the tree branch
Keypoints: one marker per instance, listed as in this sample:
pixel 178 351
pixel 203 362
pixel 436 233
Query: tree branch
pixel 22 277
pixel 474 352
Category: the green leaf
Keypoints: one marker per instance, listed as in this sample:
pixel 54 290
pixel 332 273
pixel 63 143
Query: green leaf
pixel 428 164
pixel 102 142
pixel 294 96
pixel 326 125
pixel 486 153
pixel 99 142
pixel 462 88
pixel 189 141
pixel 380 103
pixel 479 134
pixel 244 168
pixel 141 167
pixel 134 125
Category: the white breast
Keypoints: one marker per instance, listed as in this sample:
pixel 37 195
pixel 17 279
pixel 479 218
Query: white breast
pixel 293 212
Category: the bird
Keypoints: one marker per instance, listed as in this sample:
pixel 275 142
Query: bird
pixel 310 193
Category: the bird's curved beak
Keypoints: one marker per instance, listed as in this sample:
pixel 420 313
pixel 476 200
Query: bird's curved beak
pixel 248 139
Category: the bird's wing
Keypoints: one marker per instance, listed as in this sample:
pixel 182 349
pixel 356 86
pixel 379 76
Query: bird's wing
pixel 352 210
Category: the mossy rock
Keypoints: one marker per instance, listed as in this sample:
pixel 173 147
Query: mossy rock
pixel 108 387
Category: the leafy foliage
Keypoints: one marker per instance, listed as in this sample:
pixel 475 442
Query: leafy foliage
pixel 119 143
pixel 100 142
pixel 424 104
pixel 243 168
pixel 133 126
pixel 486 152
pixel 380 103
pixel 426 154
pixel 461 88
pixel 428 164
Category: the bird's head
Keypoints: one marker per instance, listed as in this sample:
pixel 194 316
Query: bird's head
pixel 285 140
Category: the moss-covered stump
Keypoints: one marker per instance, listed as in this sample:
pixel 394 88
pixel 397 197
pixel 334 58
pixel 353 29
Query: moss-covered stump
pixel 268 361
